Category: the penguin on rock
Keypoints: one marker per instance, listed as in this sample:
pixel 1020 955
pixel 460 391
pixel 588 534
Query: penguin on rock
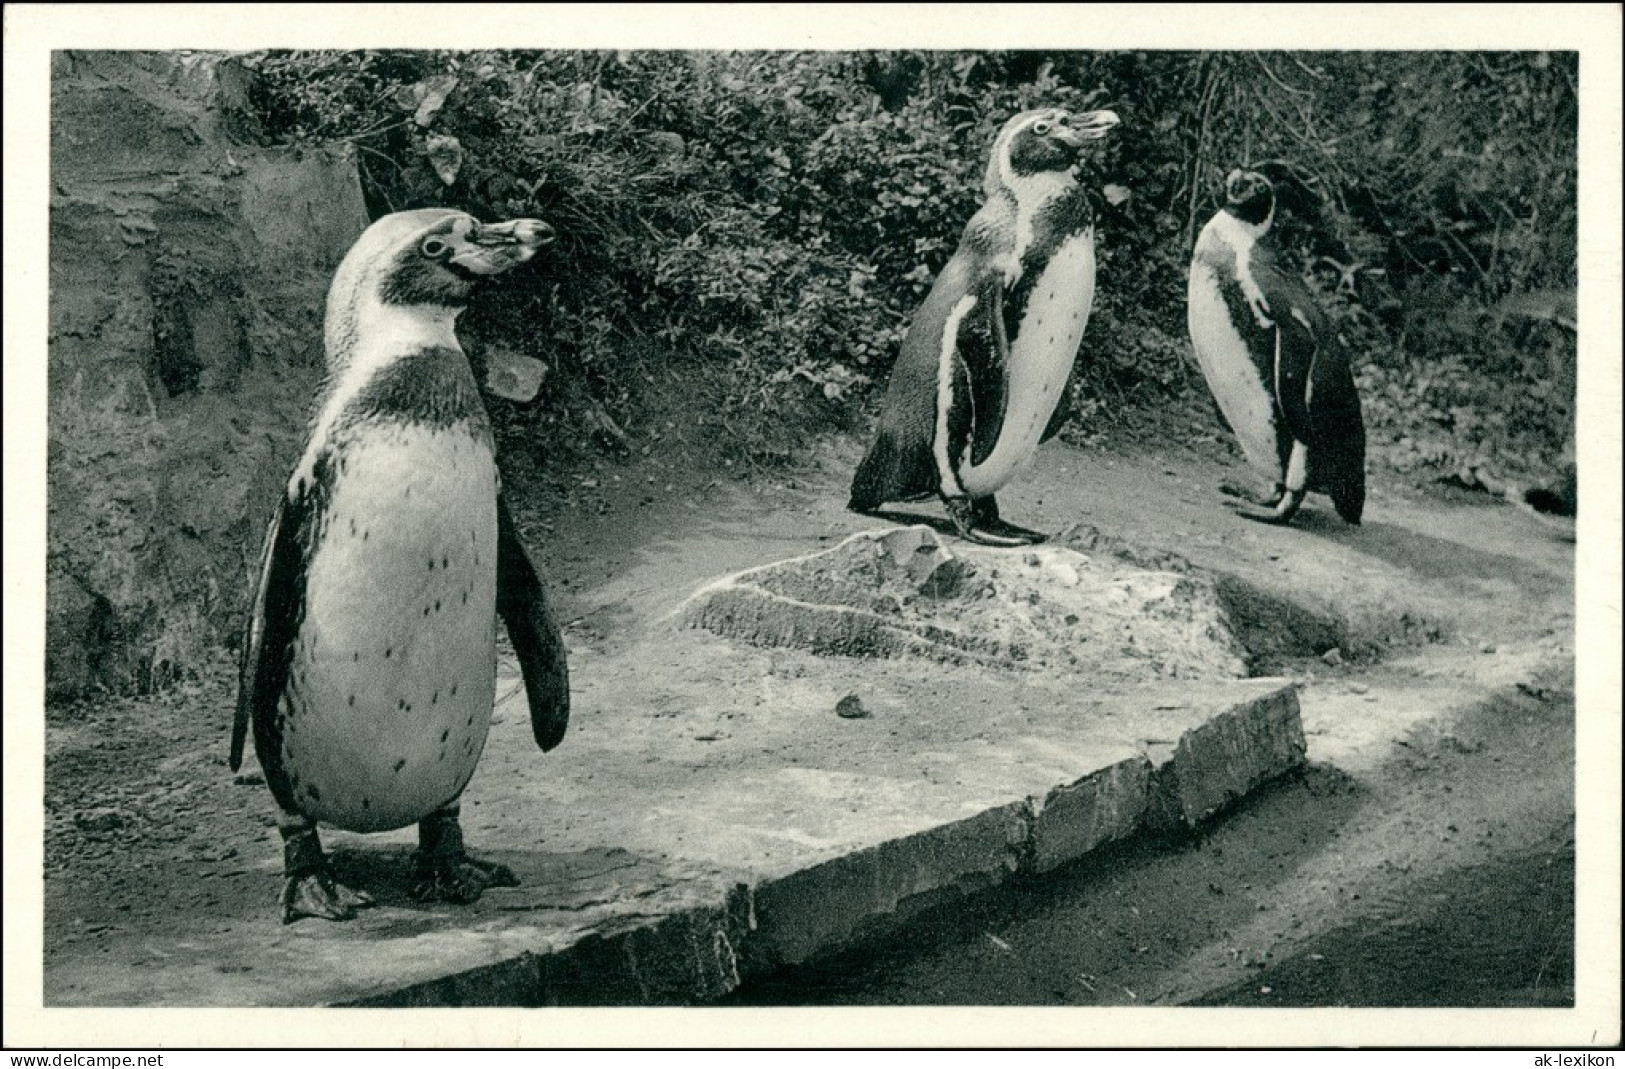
pixel 369 662
pixel 1280 376
pixel 987 361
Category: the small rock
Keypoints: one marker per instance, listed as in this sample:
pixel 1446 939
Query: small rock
pixel 850 708
pixel 1358 688
pixel 1333 656
pixel 1488 647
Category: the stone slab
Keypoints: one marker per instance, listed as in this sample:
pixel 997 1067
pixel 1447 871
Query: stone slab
pixel 718 808
pixel 662 869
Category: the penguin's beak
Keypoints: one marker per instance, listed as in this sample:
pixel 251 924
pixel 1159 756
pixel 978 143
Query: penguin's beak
pixel 1086 128
pixel 1095 125
pixel 490 249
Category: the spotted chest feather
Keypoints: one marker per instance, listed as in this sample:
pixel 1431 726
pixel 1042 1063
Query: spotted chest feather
pixel 392 675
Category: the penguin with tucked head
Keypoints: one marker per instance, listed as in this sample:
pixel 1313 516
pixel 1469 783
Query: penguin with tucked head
pixel 987 361
pixel 369 661
pixel 1277 370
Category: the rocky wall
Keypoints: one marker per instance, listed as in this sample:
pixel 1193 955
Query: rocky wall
pixel 188 271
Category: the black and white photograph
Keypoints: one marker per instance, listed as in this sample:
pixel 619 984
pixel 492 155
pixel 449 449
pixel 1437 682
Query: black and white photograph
pixel 741 508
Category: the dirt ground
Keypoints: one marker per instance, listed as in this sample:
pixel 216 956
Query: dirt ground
pixel 1445 622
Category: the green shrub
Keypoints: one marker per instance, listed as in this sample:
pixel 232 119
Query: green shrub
pixel 775 218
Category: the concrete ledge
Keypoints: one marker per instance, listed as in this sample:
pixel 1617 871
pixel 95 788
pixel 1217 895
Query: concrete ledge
pixel 1100 808
pixel 701 954
pixel 1217 763
pixel 830 906
pixel 710 817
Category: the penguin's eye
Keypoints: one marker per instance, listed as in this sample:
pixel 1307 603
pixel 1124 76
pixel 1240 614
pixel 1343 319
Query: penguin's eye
pixel 1041 127
pixel 435 249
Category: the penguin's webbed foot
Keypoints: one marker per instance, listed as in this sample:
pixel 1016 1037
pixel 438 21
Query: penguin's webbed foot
pixel 1280 515
pixel 308 888
pixel 978 521
pixel 443 871
pixel 318 894
pixel 1274 519
pixel 457 878
pixel 1267 500
pixel 1008 534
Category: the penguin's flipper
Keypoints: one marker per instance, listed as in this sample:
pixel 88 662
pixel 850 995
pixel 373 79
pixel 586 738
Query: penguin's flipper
pixel 1296 348
pixel 252 647
pixel 522 604
pixel 267 651
pixel 982 360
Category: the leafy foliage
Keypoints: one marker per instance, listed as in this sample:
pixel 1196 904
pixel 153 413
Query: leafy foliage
pixel 778 216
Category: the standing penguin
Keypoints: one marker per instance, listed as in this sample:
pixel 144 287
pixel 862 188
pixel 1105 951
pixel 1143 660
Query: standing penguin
pixel 986 362
pixel 369 663
pixel 1277 370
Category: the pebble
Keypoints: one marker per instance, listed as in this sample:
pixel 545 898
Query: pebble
pixel 851 708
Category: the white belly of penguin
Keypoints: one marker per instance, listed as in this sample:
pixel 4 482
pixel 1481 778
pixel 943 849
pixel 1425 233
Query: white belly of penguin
pixel 1230 372
pixel 1041 358
pixel 395 662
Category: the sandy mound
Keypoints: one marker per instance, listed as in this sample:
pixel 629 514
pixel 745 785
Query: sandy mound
pixel 901 593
